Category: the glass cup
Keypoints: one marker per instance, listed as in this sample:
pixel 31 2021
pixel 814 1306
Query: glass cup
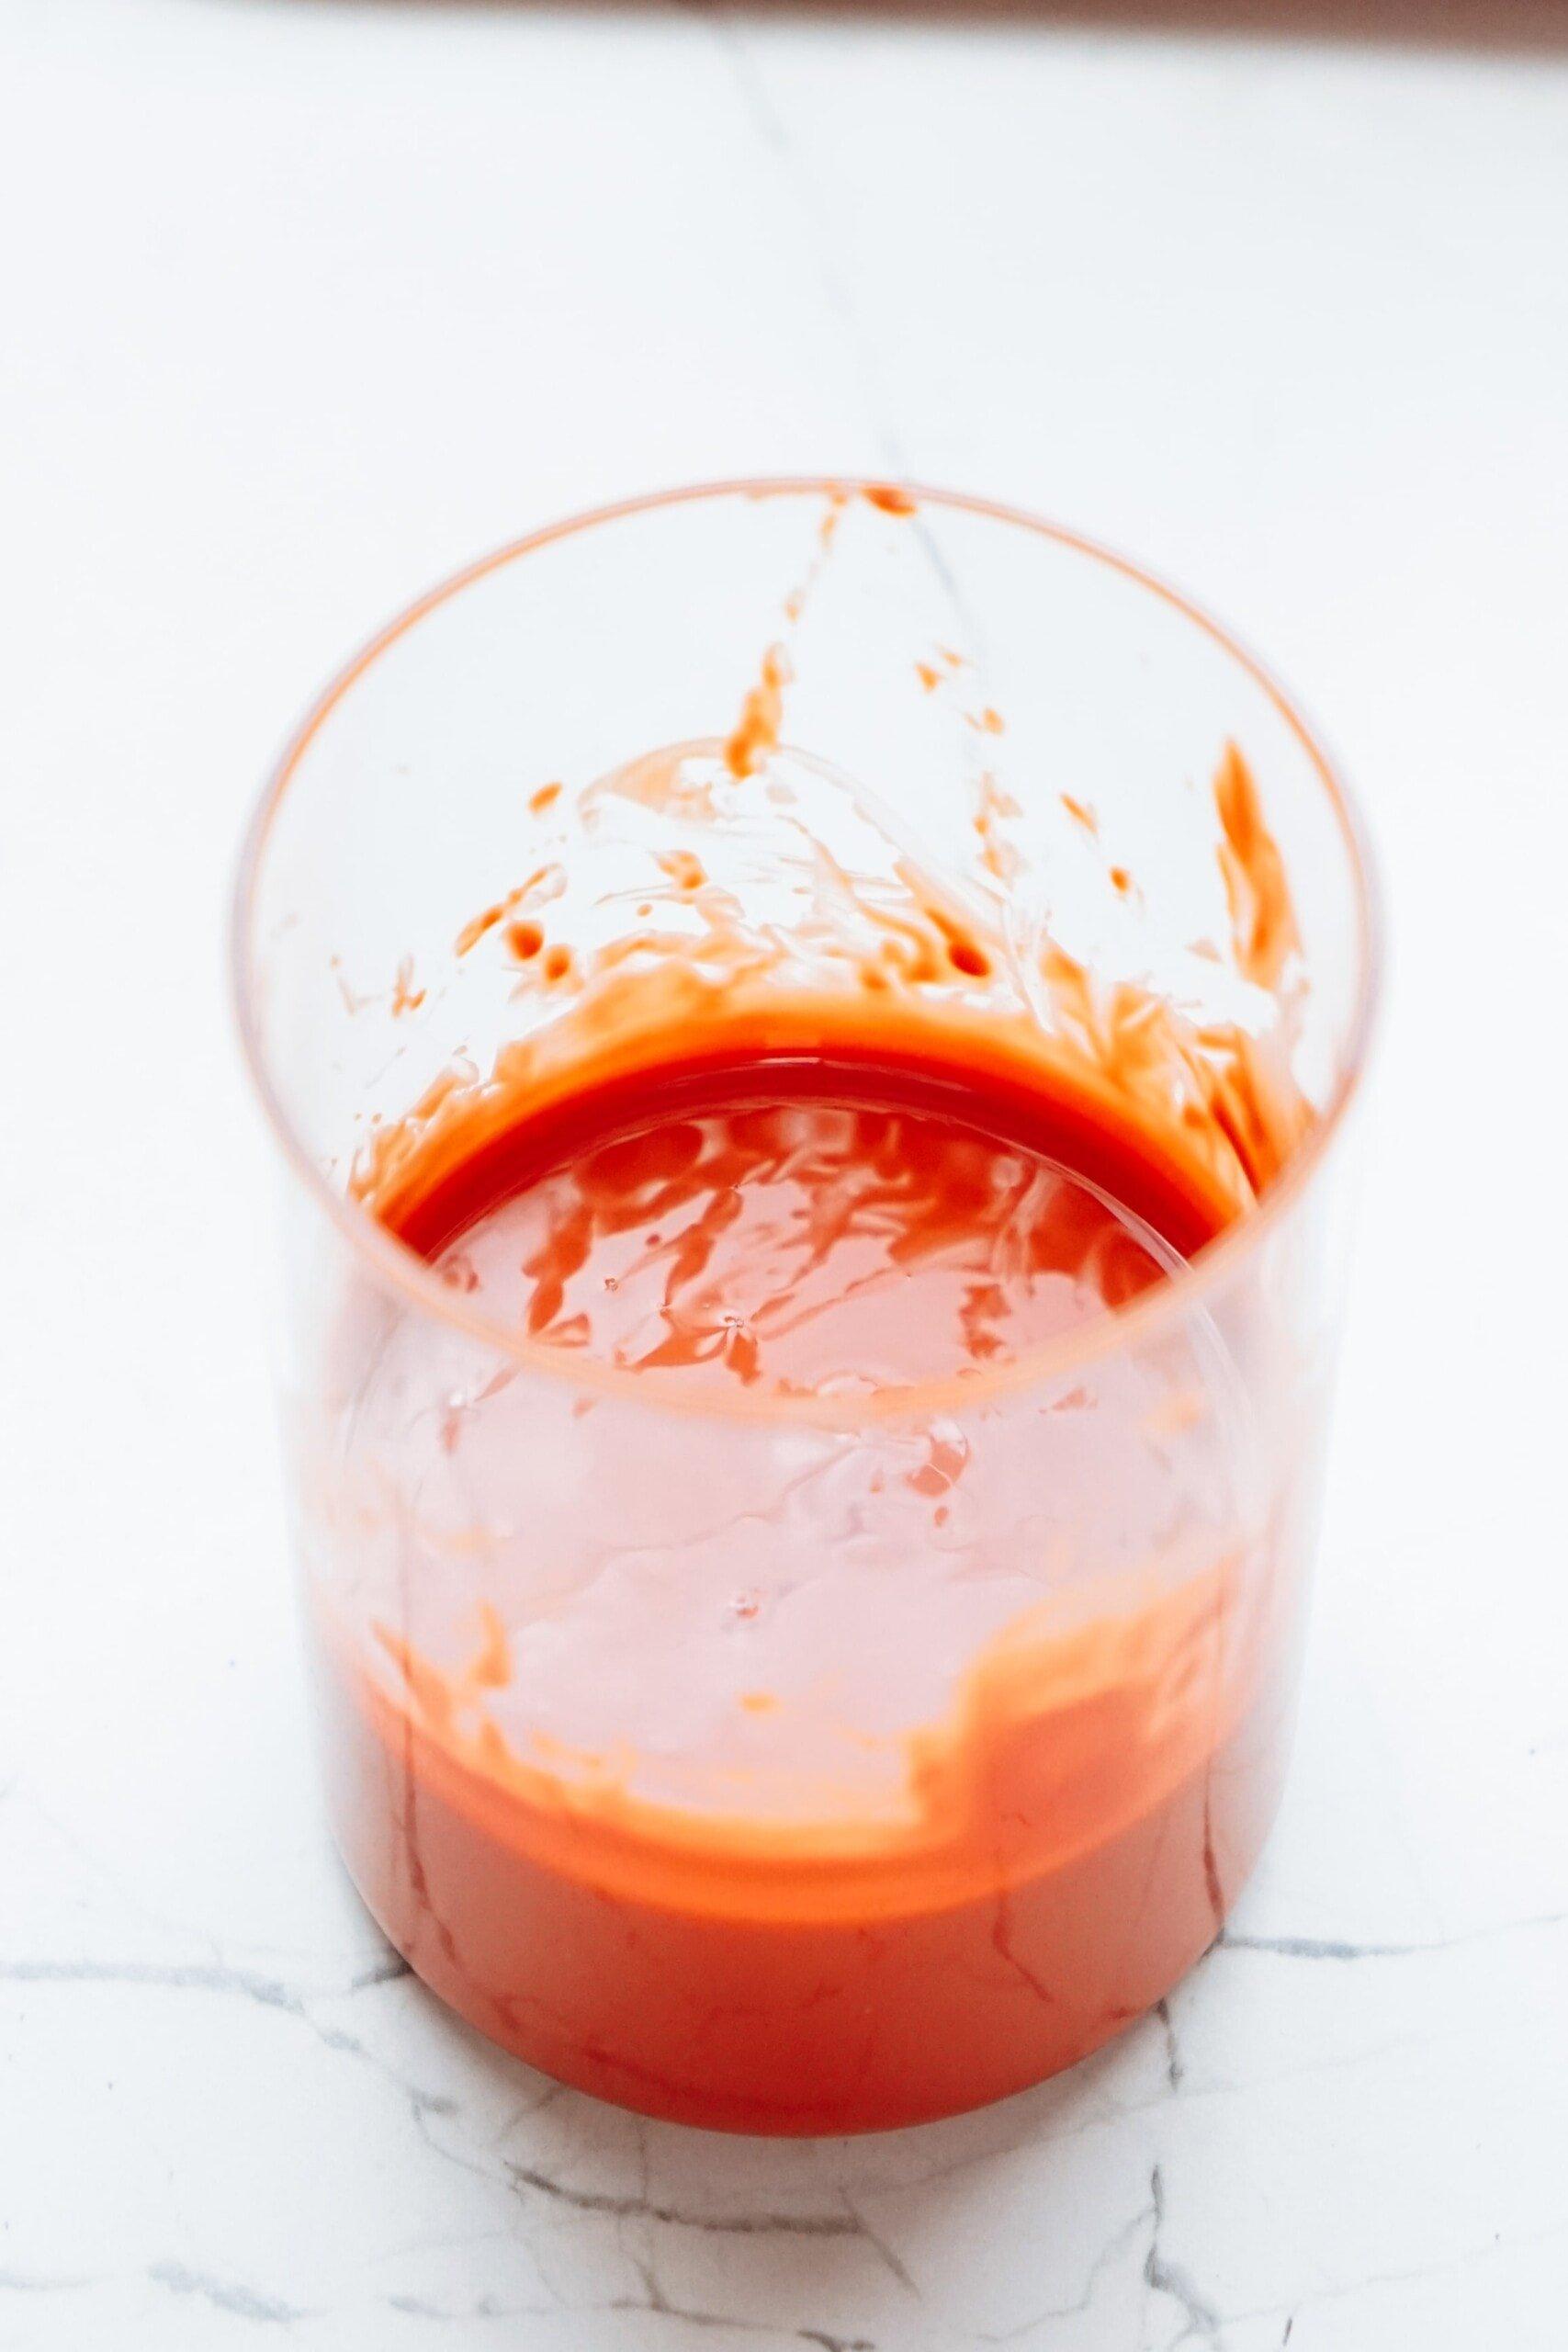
pixel 827 1760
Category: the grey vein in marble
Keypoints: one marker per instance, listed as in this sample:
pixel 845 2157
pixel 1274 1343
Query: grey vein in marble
pixel 1174 2069
pixel 592 2201
pixel 1168 2278
pixel 226 2295
pixel 1107 2258
pixel 752 90
pixel 1334 1947
pixel 200 1977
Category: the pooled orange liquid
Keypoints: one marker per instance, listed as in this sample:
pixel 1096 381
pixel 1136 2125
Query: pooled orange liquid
pixel 804 1222
pixel 820 1936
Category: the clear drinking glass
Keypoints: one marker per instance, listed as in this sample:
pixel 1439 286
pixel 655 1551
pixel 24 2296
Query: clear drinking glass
pixel 804 1762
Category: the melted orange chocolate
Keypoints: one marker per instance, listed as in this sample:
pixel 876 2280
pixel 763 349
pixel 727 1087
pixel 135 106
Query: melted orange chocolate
pixel 803 1217
pixel 841 1813
pixel 1052 1849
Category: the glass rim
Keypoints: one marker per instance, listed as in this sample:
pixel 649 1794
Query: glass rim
pixel 398 1267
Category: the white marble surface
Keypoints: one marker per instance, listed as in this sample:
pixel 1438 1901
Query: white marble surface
pixel 305 302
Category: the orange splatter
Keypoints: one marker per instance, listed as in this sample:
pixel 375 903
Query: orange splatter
pixel 430 1690
pixel 757 730
pixel 684 869
pixel 1180 1409
pixel 491 1669
pixel 888 498
pixel 406 998
pixel 546 882
pixel 964 952
pixel 994 808
pixel 474 930
pixel 352 1002
pixel 1263 921
pixel 946 1459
